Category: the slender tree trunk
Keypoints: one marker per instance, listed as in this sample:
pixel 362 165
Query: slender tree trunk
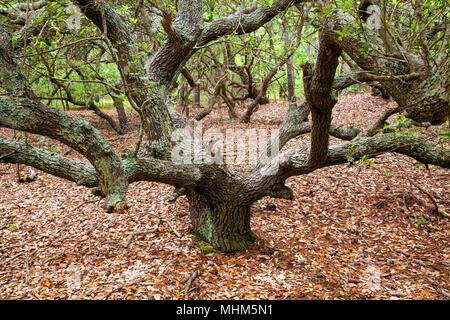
pixel 289 68
pixel 123 121
pixel 182 105
pixel 196 100
pixel 290 80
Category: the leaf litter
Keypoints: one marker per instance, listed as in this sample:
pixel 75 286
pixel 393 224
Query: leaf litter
pixel 352 232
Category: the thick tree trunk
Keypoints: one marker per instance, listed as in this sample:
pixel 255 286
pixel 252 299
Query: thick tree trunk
pixel 224 223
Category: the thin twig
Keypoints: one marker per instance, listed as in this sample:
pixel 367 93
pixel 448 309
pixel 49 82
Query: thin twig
pixel 189 283
pixel 12 258
pixel 435 205
pixel 151 230
pixel 137 233
pixel 86 202
pixel 27 266
pixel 58 48
pixel 67 152
pixel 442 292
pixel 55 256
pixel 171 227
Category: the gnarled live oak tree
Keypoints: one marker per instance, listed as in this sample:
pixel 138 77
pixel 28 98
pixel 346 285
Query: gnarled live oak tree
pixel 220 196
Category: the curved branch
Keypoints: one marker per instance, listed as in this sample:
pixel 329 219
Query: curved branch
pixel 243 21
pixel 79 172
pixel 141 169
pixel 420 149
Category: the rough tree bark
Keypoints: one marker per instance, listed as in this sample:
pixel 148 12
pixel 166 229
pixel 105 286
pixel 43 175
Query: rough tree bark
pixel 289 68
pixel 421 91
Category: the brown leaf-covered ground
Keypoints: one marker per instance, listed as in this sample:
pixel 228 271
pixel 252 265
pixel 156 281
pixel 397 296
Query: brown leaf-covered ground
pixel 352 232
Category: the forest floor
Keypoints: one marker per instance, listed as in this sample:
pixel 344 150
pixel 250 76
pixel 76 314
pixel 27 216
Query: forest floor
pixel 352 232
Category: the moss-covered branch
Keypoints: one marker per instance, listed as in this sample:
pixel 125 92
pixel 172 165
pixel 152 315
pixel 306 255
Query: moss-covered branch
pixel 82 173
pixel 420 149
pixel 13 151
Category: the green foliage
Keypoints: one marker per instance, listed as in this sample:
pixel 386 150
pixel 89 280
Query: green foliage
pixel 205 248
pixel 444 136
pixel 365 48
pixel 401 127
pixel 367 162
pixel 387 173
pixel 422 221
pixel 266 45
pixel 419 165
